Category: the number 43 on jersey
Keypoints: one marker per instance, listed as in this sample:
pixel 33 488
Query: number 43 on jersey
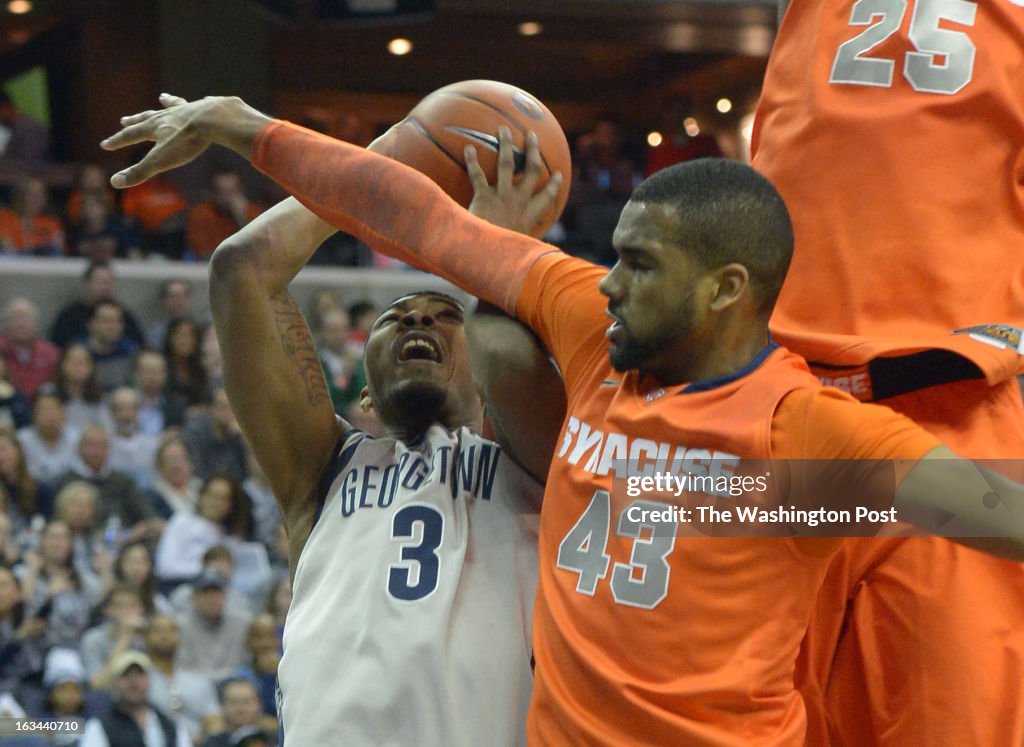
pixel 942 60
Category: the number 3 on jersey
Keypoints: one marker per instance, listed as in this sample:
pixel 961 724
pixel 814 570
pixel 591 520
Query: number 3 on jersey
pixel 419 529
pixel 583 551
pixel 942 60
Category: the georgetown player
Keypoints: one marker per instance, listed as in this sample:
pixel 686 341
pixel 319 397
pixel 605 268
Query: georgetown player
pixel 413 555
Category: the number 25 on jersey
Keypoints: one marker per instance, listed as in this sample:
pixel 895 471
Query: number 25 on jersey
pixel 942 60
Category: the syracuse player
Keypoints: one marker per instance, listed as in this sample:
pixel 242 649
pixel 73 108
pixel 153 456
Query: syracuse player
pixel 894 131
pixel 686 640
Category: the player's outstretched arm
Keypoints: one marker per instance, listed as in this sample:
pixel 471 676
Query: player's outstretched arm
pixel 272 372
pixel 969 503
pixel 521 388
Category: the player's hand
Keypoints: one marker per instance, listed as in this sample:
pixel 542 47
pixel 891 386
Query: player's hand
pixel 181 131
pixel 518 206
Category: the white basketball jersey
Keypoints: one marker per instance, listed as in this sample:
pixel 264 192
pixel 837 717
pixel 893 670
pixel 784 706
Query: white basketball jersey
pixel 411 608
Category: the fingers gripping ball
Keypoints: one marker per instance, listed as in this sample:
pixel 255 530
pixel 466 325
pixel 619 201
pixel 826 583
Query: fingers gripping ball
pixel 433 137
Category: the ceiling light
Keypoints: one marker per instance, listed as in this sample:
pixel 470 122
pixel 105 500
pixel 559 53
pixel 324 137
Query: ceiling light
pixel 692 128
pixel 530 28
pixel 654 139
pixel 724 105
pixel 399 46
pixel 19 6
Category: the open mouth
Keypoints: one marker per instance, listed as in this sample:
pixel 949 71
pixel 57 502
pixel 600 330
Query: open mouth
pixel 417 346
pixel 615 328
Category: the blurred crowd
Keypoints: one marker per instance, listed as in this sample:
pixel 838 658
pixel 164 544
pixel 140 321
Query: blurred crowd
pixel 139 540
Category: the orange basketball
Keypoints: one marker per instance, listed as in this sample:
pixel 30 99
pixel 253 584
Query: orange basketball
pixel 434 135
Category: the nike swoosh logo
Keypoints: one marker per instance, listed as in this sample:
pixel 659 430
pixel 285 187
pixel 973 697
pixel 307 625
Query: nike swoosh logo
pixel 610 382
pixel 489 141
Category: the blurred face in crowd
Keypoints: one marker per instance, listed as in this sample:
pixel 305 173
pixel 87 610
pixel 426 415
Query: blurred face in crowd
pixel 95 212
pixel 106 326
pixel 124 408
pixel 94 447
pixel 133 686
pixel 135 565
pixel 151 373
pixel 33 197
pixel 10 455
pixel 215 500
pixel 67 698
pixel 124 608
pixel 263 635
pixel 174 464
pixel 92 179
pixel 78 507
pixel 10 594
pixel 48 416
pixel 162 637
pixel 221 410
pixel 209 603
pixel 335 330
pixel 184 339
pixel 21 321
pixel 55 543
pixel 241 705
pixel 100 285
pixel 227 189
pixel 177 299
pixel 77 365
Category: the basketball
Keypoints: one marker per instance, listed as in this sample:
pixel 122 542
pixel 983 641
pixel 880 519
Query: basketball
pixel 432 138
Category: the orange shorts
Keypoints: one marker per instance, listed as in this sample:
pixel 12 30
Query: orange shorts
pixel 921 641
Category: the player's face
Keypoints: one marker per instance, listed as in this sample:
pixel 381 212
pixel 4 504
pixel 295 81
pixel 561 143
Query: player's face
pixel 653 292
pixel 417 357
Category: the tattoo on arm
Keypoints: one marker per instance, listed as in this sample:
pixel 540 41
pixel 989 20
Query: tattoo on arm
pixel 298 344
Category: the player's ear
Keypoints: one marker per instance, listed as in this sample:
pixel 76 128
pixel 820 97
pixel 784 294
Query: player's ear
pixel 365 403
pixel 731 282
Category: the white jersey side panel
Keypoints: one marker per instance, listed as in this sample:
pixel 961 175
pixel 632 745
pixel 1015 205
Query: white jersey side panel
pixel 411 608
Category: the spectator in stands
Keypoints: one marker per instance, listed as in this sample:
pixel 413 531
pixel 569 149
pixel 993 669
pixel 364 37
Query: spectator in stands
pixel 131 450
pixel 21 635
pixel 222 513
pixel 134 567
pixel 341 361
pixel 113 352
pixel 29 225
pixel 281 596
pixel 157 210
pixel 243 717
pixel 265 652
pixel 100 235
pixel 186 376
pixel 119 495
pixel 677 144
pixel 48 444
pixel 189 697
pixel 10 551
pixel 28 139
pixel 175 488
pixel 15 409
pixel 67 697
pixel 215 441
pixel 31 360
pixel 361 316
pixel 78 389
pixel 222 214
pixel 213 363
pixel 54 589
pixel 175 303
pixel 266 516
pixel 92 181
pixel 131 720
pixel 21 496
pixel 159 409
pixel 320 303
pixel 221 559
pixel 77 505
pixel 212 635
pixel 100 284
pixel 122 629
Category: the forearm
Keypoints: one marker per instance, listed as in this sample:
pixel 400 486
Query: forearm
pixel 397 211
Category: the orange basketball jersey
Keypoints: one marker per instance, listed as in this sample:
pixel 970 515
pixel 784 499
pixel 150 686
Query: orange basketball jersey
pixel 642 636
pixel 860 101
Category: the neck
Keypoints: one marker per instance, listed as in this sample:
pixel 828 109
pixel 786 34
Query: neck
pixel 720 352
pixel 163 662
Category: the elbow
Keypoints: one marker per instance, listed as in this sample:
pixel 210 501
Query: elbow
pixel 232 264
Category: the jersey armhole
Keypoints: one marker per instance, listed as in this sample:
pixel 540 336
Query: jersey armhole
pixel 345 449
